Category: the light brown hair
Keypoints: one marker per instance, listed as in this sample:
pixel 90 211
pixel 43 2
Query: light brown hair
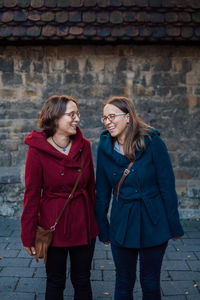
pixel 53 108
pixel 137 128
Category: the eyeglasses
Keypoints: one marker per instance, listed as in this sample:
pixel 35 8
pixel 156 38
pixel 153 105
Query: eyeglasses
pixel 111 117
pixel 73 114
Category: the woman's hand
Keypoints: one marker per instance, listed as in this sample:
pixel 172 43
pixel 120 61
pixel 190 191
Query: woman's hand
pixel 176 238
pixel 30 250
pixel 106 243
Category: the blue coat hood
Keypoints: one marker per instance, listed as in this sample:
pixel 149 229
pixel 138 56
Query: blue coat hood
pixel 105 145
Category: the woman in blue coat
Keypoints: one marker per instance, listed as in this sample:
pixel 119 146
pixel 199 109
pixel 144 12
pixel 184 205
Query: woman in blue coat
pixel 144 214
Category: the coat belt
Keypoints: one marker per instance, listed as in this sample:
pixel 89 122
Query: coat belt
pixel 125 211
pixel 67 215
pixel 61 195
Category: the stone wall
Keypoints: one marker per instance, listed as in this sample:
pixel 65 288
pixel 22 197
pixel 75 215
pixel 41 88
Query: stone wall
pixel 162 80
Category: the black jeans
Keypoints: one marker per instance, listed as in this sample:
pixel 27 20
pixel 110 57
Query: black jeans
pixel 125 260
pixel 80 260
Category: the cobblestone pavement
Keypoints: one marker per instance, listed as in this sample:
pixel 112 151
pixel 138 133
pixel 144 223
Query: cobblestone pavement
pixel 24 279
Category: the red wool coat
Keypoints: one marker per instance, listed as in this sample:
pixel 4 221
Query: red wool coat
pixel 49 178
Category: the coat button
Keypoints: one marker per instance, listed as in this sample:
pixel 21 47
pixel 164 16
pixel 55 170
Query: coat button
pixel 114 174
pixel 62 173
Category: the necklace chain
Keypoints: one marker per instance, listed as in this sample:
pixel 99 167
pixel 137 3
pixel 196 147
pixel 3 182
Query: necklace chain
pixel 120 143
pixel 63 148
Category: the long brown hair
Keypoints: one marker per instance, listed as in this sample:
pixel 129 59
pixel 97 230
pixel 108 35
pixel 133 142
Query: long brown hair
pixel 137 128
pixel 53 108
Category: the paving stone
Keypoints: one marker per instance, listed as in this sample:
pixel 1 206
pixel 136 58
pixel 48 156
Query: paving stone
pixel 197 255
pixel 170 248
pixel 3 245
pixel 193 234
pixel 22 253
pixel 69 290
pixel 39 264
pixel 15 233
pixel 99 254
pixel 17 272
pixel 165 275
pixel 15 245
pixel 5 232
pixel 96 275
pixel 179 288
pixel 9 253
pixel 31 285
pixel 103 298
pixel 165 257
pixel 190 228
pixel 181 256
pixel 8 285
pixel 12 240
pixel 109 255
pixel 103 289
pixel 104 264
pixel 40 297
pixel 137 295
pixel 191 241
pixel 108 275
pixel 177 297
pixel 40 272
pixel 175 265
pixel 188 248
pixel 193 297
pixel 175 243
pixel 14 262
pixel 186 275
pixel 101 246
pixel 17 296
pixel 194 265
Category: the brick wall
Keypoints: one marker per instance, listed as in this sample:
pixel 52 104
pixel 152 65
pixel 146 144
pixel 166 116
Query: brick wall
pixel 162 80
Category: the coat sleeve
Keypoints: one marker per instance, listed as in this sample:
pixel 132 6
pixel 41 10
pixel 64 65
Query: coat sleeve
pixel 103 191
pixel 91 181
pixel 166 182
pixel 32 195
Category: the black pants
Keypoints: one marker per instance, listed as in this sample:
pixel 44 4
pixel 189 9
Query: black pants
pixel 80 259
pixel 125 260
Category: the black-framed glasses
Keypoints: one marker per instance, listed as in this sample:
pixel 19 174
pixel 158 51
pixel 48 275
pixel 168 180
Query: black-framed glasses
pixel 111 117
pixel 73 114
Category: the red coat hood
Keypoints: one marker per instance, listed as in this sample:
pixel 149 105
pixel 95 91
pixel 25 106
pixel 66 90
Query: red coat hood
pixel 38 140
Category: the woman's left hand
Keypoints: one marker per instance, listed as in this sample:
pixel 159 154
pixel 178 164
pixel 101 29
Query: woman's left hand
pixel 106 243
pixel 30 250
pixel 176 238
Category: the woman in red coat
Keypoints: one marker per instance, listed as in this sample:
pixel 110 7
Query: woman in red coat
pixel 52 167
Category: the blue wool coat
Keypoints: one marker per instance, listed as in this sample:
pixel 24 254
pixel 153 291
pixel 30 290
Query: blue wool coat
pixel 146 214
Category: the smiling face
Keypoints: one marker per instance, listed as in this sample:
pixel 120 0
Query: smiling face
pixel 118 126
pixel 66 125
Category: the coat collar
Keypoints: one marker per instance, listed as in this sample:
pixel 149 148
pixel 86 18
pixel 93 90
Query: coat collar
pixel 107 148
pixel 38 140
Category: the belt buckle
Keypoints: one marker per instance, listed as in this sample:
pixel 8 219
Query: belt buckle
pixel 126 172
